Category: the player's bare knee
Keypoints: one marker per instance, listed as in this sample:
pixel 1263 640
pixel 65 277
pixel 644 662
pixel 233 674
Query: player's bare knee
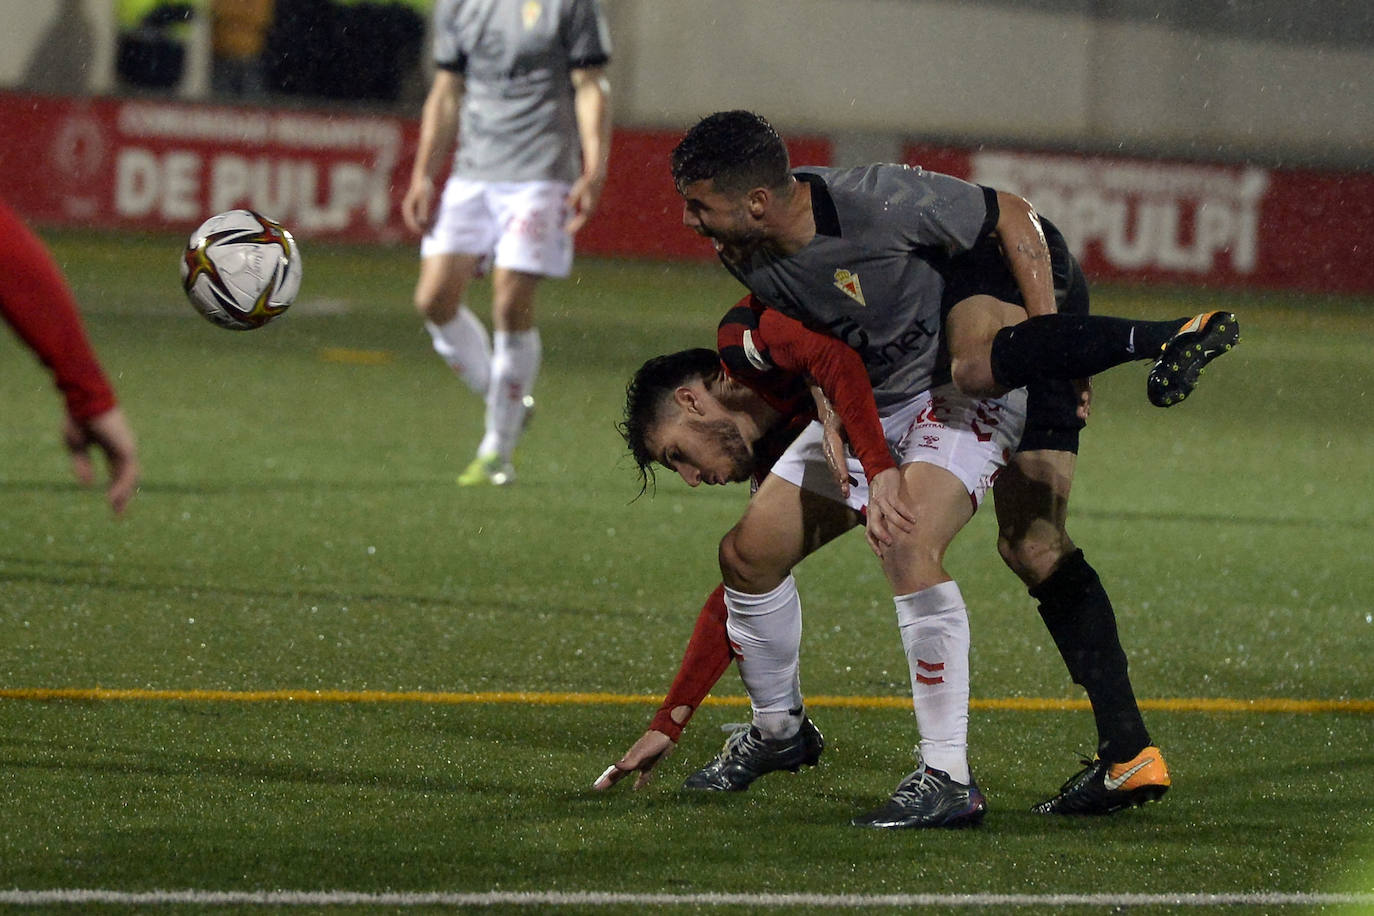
pixel 912 565
pixel 746 568
pixel 434 306
pixel 973 377
pixel 1011 552
pixel 1033 556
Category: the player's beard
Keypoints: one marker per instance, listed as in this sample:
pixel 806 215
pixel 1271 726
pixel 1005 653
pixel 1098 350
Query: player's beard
pixel 731 444
pixel 736 242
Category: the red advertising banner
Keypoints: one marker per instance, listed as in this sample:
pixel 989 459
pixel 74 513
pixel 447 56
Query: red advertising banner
pixel 1145 220
pixel 154 164
pixel 168 165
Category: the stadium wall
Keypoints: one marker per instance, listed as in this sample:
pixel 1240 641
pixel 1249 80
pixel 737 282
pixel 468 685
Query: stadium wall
pixel 1263 81
pixel 166 165
pixel 1194 80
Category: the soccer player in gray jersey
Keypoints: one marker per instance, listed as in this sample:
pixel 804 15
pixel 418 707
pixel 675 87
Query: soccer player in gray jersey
pixel 521 87
pixel 860 254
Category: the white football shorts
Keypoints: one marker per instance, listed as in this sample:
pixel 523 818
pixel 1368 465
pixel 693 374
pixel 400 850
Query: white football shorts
pixel 972 438
pixel 517 225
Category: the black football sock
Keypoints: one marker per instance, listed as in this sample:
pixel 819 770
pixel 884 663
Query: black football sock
pixel 1079 616
pixel 1064 346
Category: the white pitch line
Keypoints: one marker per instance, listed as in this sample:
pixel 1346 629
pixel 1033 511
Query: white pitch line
pixel 594 898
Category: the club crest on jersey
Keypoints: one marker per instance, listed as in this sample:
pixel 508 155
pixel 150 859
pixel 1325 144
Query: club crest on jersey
pixel 531 12
pixel 848 283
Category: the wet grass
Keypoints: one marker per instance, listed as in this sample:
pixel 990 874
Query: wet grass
pixel 298 529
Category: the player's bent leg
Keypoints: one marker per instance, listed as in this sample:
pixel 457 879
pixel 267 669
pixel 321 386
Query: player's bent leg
pixel 970 327
pixel 1032 505
pixel 517 353
pixel 765 635
pixel 1031 498
pixel 933 621
pixel 781 526
pixel 512 299
pixel 1067 346
pixel 444 280
pixel 941 505
pixel 459 337
pixel 783 738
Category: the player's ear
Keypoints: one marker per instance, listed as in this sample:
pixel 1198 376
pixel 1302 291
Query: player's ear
pixel 758 202
pixel 688 399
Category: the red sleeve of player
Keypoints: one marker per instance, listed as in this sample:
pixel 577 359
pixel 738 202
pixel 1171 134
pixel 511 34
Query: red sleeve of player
pixel 840 372
pixel 35 300
pixel 739 353
pixel 705 660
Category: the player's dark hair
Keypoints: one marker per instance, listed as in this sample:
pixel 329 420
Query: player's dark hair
pixel 735 150
pixel 651 391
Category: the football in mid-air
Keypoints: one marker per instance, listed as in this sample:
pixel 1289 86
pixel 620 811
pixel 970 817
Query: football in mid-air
pixel 240 269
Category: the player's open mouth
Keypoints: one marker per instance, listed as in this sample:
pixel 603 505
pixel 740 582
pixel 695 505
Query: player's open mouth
pixel 705 233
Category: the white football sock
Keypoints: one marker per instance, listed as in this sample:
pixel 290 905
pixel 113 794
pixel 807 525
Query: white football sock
pixel 464 344
pixel 765 632
pixel 935 634
pixel 514 366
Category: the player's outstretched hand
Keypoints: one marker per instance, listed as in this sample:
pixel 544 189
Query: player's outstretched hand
pixel 110 433
pixel 642 757
pixel 888 512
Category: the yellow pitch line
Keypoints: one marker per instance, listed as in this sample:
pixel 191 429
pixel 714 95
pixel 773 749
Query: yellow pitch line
pixel 1031 704
pixel 356 357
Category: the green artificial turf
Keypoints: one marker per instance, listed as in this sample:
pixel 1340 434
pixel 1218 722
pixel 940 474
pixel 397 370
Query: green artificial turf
pixel 298 528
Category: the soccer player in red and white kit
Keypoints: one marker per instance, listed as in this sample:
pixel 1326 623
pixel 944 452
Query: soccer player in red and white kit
pixel 772 407
pixel 36 301
pixel 803 507
pixel 731 421
pixel 863 254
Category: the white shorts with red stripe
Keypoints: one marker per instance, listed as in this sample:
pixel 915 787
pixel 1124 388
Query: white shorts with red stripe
pixel 517 225
pixel 972 438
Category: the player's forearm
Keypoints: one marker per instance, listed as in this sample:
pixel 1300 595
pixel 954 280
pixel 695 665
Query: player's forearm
pixel 839 372
pixel 1027 255
pixel 592 109
pixel 438 126
pixel 55 334
pixel 36 301
pixel 704 661
pixel 851 397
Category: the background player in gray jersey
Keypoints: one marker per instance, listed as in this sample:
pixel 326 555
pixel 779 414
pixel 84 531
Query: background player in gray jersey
pixel 520 85
pixel 859 253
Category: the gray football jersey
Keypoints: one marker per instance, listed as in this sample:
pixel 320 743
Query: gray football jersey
pixel 517 121
pixel 872 275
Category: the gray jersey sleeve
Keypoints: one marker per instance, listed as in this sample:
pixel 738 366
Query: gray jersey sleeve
pixel 586 36
pixel 448 50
